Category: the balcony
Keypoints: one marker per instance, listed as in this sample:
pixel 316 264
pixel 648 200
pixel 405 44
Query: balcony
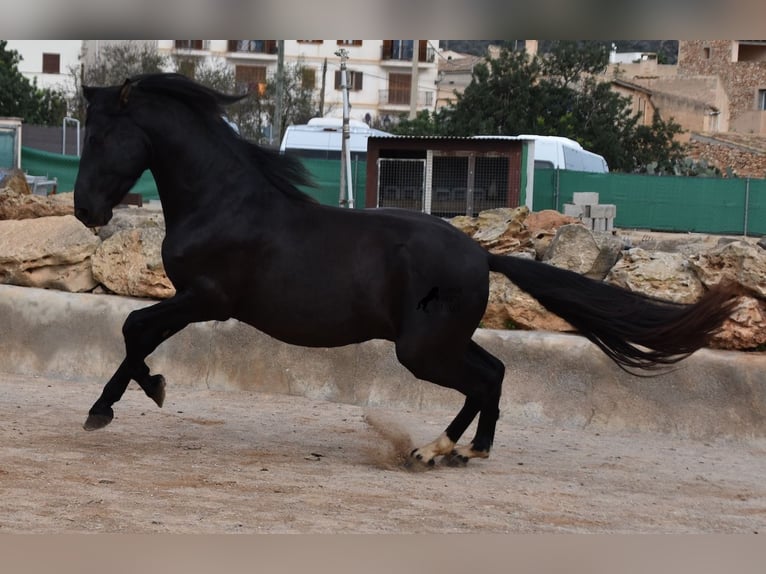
pixel 253 49
pixel 398 53
pixel 399 100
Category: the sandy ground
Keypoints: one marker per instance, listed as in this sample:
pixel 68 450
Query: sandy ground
pixel 222 462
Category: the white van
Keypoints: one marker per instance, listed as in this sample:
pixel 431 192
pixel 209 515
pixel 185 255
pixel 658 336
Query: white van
pixel 556 152
pixel 321 139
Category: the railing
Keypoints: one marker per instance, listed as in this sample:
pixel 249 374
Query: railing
pixel 402 98
pixel 268 47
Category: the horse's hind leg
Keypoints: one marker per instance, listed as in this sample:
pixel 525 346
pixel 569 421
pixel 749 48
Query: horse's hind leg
pixel 479 376
pixel 494 372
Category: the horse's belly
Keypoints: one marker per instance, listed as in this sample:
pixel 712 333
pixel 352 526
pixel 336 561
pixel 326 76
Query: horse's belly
pixel 316 327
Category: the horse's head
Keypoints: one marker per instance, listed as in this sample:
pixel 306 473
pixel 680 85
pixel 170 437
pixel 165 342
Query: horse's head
pixel 115 153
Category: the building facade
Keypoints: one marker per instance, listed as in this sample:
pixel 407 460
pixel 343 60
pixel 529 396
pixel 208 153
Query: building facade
pixel 51 63
pixel 380 71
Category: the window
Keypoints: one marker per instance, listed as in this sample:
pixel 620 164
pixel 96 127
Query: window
pixel 308 78
pixel 762 100
pixel 402 50
pixel 310 41
pixel 349 42
pixel 51 63
pixel 188 44
pixel 399 88
pixel 355 80
pixel 706 52
pixel 253 46
pixel 254 77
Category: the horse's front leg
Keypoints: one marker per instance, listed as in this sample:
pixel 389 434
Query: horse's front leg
pixel 144 330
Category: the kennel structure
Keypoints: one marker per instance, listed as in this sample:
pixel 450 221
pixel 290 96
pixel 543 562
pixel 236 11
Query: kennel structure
pixel 447 176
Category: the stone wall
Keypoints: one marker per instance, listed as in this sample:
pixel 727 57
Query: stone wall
pixel 56 251
pixel 746 156
pixel 741 80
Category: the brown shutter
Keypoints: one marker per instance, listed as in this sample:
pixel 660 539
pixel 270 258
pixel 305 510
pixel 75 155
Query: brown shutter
pixel 388 48
pixel 422 50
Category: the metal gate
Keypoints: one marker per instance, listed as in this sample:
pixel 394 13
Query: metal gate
pixel 401 183
pixel 444 184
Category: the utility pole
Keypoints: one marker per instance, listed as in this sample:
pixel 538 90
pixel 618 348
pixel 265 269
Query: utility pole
pixel 414 79
pixel 346 199
pixel 321 93
pixel 276 128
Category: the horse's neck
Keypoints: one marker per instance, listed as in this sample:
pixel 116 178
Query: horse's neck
pixel 189 170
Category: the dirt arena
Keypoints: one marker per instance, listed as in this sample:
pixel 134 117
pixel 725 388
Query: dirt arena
pixel 227 461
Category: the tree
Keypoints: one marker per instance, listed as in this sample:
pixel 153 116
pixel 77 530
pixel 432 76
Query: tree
pixel 255 113
pixel 24 99
pixel 298 103
pixel 557 93
pixel 115 63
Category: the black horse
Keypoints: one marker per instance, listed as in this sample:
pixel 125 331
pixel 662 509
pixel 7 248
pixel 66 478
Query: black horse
pixel 243 241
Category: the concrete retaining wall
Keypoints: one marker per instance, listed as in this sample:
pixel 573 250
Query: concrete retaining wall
pixel 550 377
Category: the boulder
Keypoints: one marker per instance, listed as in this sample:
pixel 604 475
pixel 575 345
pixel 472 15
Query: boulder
pixel 129 263
pixel 746 329
pixel 132 218
pixel 500 230
pixel 16 204
pixel 658 274
pixel 738 262
pixel 509 307
pixel 16 180
pixel 48 252
pixel 578 249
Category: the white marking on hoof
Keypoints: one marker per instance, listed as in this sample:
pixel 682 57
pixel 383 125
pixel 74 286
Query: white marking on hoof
pixel 427 454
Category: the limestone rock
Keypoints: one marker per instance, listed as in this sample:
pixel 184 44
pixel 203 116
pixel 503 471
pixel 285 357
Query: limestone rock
pixel 132 218
pixel 500 230
pixel 129 263
pixel 739 262
pixel 578 249
pixel 16 180
pixel 548 221
pixel 509 307
pixel 746 329
pixel 658 274
pixel 48 252
pixel 16 204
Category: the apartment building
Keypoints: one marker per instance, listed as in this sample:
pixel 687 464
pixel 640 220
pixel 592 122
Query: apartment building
pixel 380 71
pixel 51 63
pixel 717 86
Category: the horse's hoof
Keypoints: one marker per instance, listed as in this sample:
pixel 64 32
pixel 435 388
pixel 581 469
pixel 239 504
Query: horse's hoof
pixel 156 392
pixel 417 463
pixel 455 460
pixel 94 422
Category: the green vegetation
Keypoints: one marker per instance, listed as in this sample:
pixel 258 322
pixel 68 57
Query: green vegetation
pixel 561 92
pixel 23 99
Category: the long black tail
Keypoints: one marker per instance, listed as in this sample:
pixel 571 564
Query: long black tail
pixel 632 329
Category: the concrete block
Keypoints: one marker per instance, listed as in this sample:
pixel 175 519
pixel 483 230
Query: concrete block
pixel 603 210
pixel 585 198
pixel 573 210
pixel 599 224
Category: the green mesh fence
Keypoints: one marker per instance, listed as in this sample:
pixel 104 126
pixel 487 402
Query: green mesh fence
pixel 326 174
pixel 684 204
pixel 64 169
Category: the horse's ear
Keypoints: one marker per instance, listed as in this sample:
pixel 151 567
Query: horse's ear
pixel 125 93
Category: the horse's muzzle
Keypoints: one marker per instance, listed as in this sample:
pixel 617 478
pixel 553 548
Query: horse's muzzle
pixel 90 219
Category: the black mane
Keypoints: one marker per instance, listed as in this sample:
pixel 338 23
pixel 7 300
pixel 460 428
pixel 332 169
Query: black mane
pixel 284 172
